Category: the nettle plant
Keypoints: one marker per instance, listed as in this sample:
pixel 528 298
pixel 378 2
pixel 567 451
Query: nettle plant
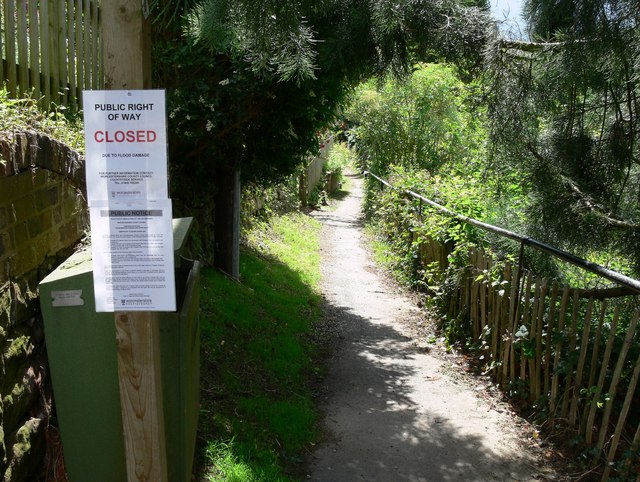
pixel 407 225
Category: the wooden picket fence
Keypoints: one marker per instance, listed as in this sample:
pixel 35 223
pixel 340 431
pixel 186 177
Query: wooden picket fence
pixel 553 346
pixel 51 48
pixel 313 173
pixel 573 354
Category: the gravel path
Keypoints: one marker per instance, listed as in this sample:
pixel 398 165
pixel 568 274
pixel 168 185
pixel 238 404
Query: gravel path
pixel 395 412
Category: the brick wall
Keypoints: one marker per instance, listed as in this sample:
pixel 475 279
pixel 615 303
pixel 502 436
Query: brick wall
pixel 42 217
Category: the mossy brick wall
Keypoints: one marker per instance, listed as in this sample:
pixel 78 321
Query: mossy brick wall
pixel 42 217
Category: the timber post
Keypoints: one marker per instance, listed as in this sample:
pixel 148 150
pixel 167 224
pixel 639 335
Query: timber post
pixel 127 64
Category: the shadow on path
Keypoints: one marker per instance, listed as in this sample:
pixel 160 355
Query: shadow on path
pixel 391 412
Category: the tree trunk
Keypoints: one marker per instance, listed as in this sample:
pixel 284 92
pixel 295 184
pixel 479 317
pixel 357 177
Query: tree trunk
pixel 227 222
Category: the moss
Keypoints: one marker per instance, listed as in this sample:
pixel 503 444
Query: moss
pixel 5 305
pixel 20 346
pixel 27 447
pixel 17 301
pixel 23 441
pixel 15 357
pixel 10 399
pixel 3 449
pixel 25 300
pixel 18 401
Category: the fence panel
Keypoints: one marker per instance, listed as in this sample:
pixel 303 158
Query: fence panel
pixel 34 47
pixel 2 30
pixel 10 44
pixel 51 48
pixel 315 172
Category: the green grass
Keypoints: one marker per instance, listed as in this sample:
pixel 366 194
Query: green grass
pixel 258 417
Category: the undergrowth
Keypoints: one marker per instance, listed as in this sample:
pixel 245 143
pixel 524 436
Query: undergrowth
pixel 25 114
pixel 257 415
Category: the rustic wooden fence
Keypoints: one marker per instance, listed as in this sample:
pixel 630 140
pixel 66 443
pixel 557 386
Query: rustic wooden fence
pixel 51 48
pixel 254 198
pixel 563 349
pixel 313 173
pixel 571 353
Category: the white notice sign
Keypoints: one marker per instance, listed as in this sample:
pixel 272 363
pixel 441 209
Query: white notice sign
pixel 126 144
pixel 132 245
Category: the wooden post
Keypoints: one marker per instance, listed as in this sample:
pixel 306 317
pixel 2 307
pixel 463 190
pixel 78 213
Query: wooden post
pixel 604 368
pixel 227 225
pixel 137 341
pixel 235 254
pixel 302 190
pixel 127 64
pixel 127 45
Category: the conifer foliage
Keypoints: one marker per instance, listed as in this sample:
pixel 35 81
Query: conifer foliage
pixel 250 83
pixel 564 111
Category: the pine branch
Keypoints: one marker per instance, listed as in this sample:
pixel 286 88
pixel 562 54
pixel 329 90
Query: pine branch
pixel 598 210
pixel 587 200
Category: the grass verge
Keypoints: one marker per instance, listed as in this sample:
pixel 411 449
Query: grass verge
pixel 257 413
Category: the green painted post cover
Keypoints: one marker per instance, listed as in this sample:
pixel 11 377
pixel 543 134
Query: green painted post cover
pixel 81 347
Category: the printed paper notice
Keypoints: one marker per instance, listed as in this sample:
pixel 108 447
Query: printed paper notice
pixel 132 245
pixel 126 144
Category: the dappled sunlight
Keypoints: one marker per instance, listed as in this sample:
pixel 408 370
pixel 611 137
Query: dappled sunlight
pixel 392 410
pixel 389 417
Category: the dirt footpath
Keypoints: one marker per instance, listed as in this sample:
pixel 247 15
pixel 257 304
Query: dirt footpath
pixel 393 411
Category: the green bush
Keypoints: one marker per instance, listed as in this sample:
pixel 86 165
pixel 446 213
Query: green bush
pixel 425 135
pixel 340 159
pixel 422 122
pixel 405 224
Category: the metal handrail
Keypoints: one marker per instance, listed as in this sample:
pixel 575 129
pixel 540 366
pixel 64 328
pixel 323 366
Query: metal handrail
pixel 619 278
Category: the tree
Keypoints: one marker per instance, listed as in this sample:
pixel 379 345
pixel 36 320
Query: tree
pixel 564 112
pixel 423 123
pixel 251 82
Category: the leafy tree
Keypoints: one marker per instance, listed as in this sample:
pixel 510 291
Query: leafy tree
pixel 251 82
pixel 424 122
pixel 564 112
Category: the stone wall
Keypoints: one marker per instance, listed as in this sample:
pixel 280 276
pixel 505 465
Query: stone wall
pixel 43 216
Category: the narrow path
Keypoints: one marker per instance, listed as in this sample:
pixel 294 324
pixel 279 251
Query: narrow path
pixel 395 412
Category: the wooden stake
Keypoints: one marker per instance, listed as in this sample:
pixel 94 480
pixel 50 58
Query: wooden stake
pixel 495 327
pixel 584 428
pixel 525 322
pixel 533 331
pixel 614 385
pixel 548 339
pixel 555 380
pixel 631 389
pixel 539 327
pixel 573 411
pixel 603 372
pixel 571 334
pixel 507 357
